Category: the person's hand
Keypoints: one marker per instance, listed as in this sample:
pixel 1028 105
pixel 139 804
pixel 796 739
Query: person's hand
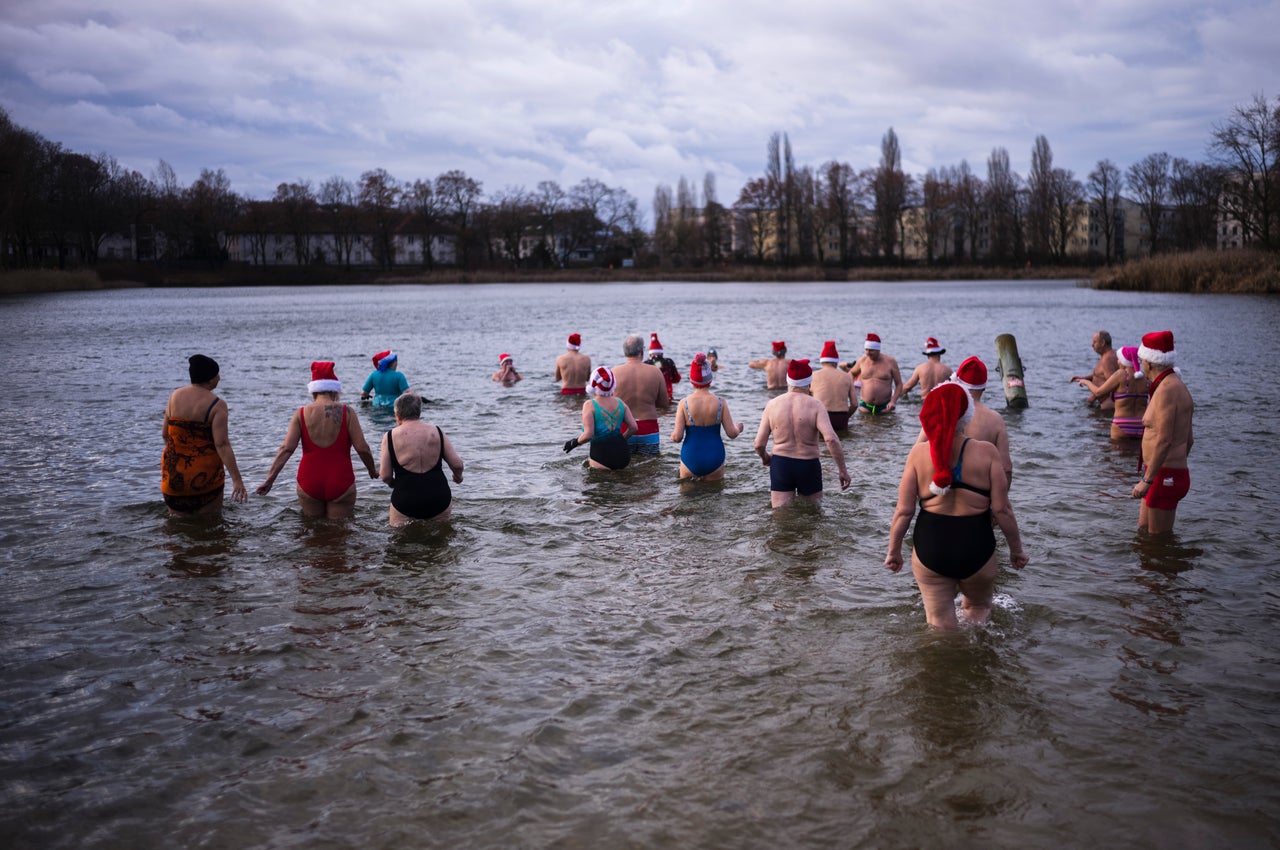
pixel 1140 489
pixel 845 480
pixel 457 476
pixel 373 473
pixel 263 489
pixel 238 493
pixel 890 405
pixel 571 444
pixel 1018 559
pixel 765 458
pixel 893 561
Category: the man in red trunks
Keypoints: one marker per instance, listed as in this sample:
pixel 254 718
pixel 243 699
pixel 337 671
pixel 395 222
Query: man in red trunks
pixel 1166 438
pixel 573 368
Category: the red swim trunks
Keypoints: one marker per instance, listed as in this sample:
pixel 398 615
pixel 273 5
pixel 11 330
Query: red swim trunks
pixel 646 426
pixel 1168 487
pixel 572 390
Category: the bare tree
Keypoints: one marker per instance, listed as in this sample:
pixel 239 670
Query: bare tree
pixel 937 198
pixel 756 217
pixel 460 196
pixel 663 223
pixel 969 191
pixel 1149 180
pixel 1105 185
pixel 1003 206
pixel 213 209
pixel 551 201
pixel 1040 190
pixel 1247 147
pixel 297 203
pixel 511 211
pixel 1066 208
pixel 338 199
pixel 379 203
pixel 713 221
pixel 891 196
pixel 1194 190
pixel 425 208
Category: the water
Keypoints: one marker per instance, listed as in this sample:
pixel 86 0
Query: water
pixel 584 660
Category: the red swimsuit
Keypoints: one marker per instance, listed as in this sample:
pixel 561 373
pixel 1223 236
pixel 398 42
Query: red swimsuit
pixel 325 472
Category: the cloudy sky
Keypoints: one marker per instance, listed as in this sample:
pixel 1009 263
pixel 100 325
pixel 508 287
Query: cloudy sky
pixel 630 92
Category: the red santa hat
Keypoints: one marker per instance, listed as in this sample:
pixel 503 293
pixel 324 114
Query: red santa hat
pixel 972 374
pixel 602 381
pixel 872 343
pixel 700 371
pixel 323 380
pixel 945 408
pixel 1157 348
pixel 779 346
pixel 829 354
pixel 383 360
pixel 655 347
pixel 931 346
pixel 799 373
pixel 575 341
pixel 503 358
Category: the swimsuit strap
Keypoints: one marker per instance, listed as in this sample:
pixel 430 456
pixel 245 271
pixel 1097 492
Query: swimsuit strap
pixel 688 412
pixel 719 409
pixel 440 459
pixel 211 407
pixel 959 467
pixel 391 452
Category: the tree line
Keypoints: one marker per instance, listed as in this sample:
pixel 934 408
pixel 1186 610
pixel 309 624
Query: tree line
pixel 836 214
pixel 58 206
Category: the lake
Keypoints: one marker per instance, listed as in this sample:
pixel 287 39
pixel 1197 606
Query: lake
pixel 584 660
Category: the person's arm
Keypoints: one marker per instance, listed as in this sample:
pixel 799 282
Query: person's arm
pixel 367 389
pixel 896 377
pixel 1006 460
pixel 222 443
pixel 358 442
pixel 907 492
pixel 854 370
pixel 731 429
pixel 677 431
pixel 291 439
pixel 661 398
pixel 451 457
pixel 1003 512
pixel 758 364
pixel 911 382
pixel 588 428
pixel 385 470
pixel 558 376
pixel 1101 391
pixel 628 419
pixel 832 439
pixel 762 439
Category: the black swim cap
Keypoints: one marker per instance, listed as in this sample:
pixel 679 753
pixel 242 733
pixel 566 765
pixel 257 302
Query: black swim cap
pixel 203 369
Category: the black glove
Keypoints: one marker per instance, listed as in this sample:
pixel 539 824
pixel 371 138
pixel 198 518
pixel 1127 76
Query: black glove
pixel 571 444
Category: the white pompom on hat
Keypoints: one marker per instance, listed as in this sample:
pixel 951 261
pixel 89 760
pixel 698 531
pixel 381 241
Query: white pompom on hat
pixel 700 373
pixel 602 381
pixel 655 347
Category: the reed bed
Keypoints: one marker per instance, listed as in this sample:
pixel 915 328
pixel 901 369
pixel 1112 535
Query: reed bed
pixel 1255 272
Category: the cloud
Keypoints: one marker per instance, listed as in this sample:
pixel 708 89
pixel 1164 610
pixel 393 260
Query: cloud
pixel 631 93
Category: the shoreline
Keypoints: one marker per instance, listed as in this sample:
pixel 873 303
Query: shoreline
pixel 1240 272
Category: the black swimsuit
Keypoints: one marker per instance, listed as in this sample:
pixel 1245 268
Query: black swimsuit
pixel 419 495
pixel 955 546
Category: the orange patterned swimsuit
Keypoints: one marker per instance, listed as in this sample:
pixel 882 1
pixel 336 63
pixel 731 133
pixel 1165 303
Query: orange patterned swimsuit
pixel 191 474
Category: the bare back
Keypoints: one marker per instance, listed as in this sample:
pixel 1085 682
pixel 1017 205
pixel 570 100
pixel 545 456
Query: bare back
pixel 573 368
pixel 834 388
pixel 928 375
pixel 793 421
pixel 988 426
pixel 642 388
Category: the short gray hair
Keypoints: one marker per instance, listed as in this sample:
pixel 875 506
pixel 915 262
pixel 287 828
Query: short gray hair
pixel 1105 336
pixel 408 406
pixel 633 346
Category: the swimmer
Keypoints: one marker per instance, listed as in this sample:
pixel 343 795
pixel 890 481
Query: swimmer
pixel 573 368
pixel 328 430
pixel 1167 437
pixel 1127 389
pixel 642 387
pixel 879 378
pixel 1107 364
pixel 605 419
pixel 507 373
pixel 775 367
pixel 834 387
pixel 798 424
pixel 411 464
pixel 384 382
pixel 931 372
pixel 197 447
pixel 670 375
pixel 958 484
pixel 699 418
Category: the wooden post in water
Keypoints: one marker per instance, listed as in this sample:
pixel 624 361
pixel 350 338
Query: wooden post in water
pixel 1010 368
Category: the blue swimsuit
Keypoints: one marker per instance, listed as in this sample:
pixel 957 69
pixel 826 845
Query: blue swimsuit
pixel 702 451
